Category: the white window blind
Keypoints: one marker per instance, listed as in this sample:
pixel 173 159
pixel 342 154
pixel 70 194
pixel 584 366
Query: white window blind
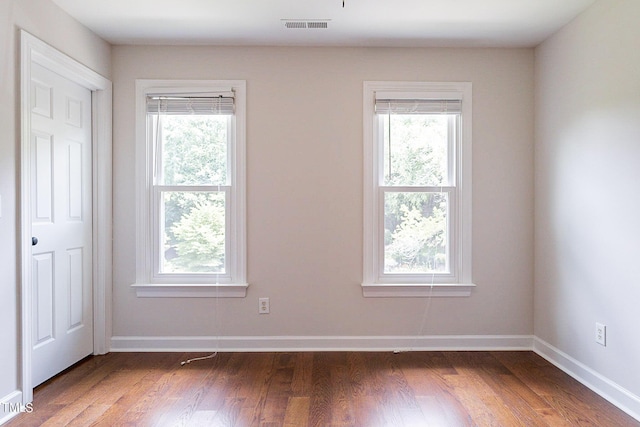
pixel 209 104
pixel 418 106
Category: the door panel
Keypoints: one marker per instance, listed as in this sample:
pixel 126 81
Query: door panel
pixel 43 179
pixel 76 290
pixel 61 221
pixel 75 181
pixel 43 297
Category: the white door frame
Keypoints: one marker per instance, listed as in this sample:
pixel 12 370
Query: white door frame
pixel 36 51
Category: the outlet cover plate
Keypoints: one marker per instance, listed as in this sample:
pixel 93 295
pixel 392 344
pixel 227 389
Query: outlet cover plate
pixel 601 334
pixel 263 306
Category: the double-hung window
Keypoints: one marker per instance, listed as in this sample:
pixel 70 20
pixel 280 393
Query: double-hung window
pixel 417 189
pixel 191 196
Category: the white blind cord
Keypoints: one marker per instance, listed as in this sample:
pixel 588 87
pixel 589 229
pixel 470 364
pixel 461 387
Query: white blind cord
pixel 389 136
pixel 156 147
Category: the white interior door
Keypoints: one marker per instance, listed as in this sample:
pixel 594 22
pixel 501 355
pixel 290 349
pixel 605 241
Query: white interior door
pixel 61 221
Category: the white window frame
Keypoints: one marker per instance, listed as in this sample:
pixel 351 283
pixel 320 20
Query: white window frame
pixel 233 282
pixel 458 282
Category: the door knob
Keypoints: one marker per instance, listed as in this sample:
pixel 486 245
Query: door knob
pixel 34 241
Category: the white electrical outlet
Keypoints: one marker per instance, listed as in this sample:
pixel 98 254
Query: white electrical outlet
pixel 263 305
pixel 601 334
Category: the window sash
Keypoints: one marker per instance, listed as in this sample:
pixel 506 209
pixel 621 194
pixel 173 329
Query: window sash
pixel 154 139
pixel 452 238
pixel 453 134
pixel 157 226
pixel 158 188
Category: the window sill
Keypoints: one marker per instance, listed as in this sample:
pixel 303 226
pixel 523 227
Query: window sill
pixel 190 291
pixel 400 290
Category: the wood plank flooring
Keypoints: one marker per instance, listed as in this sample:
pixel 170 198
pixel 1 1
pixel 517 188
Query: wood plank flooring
pixel 319 389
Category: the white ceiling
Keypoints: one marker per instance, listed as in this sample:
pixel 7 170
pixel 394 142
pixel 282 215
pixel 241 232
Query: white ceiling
pixel 468 23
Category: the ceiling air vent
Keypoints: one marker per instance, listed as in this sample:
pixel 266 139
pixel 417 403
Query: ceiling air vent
pixel 304 23
pixel 317 24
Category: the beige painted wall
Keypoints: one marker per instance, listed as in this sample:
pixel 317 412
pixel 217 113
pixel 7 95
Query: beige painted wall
pixel 44 20
pixel 304 148
pixel 587 200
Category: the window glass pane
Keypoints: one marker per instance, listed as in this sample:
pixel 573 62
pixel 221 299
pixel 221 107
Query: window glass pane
pixel 415 149
pixel 415 233
pixel 193 149
pixel 192 232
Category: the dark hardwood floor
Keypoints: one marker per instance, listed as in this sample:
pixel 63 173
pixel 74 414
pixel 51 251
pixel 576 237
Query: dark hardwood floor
pixel 319 389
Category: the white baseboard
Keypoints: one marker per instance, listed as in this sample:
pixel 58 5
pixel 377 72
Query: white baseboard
pixel 617 395
pixel 321 343
pixel 6 412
